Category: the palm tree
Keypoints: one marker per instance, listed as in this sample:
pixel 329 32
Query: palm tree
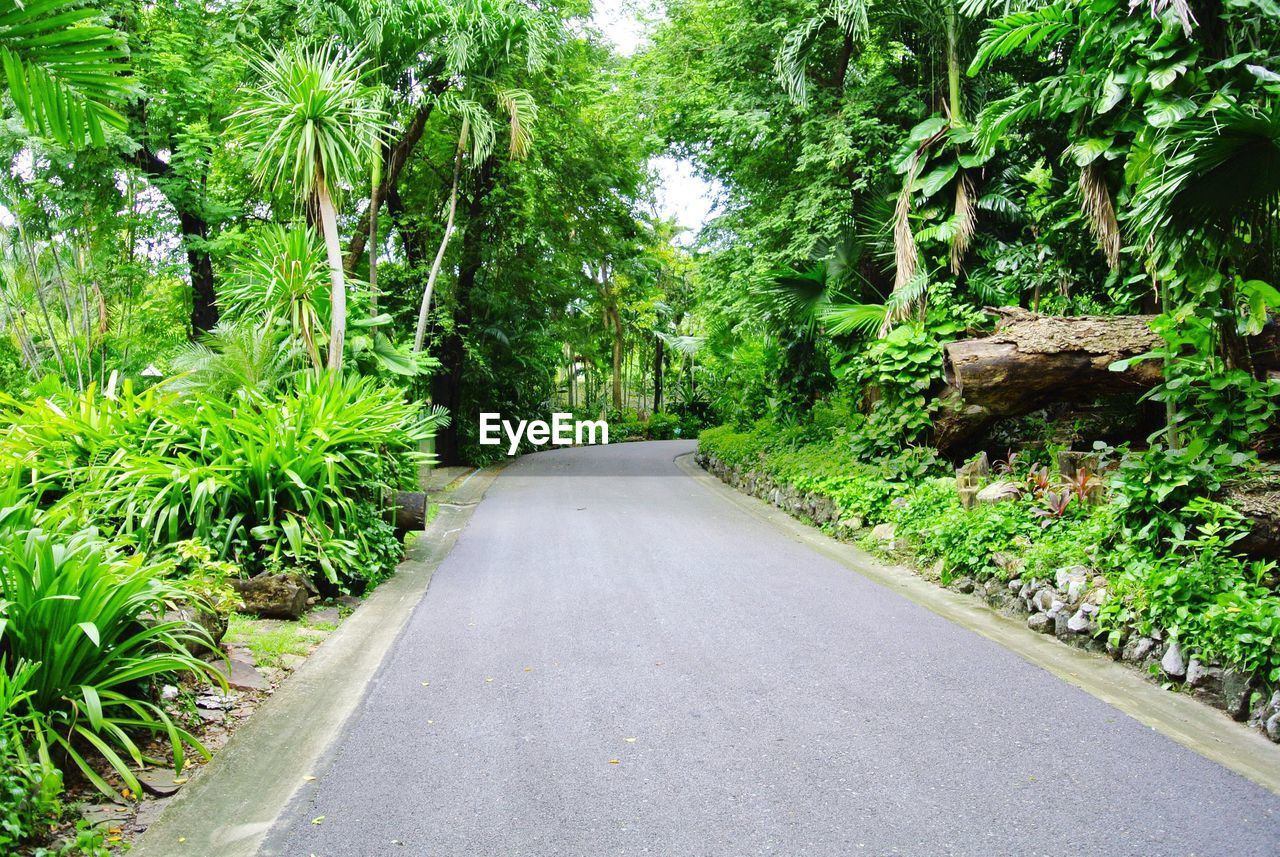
pixel 310 124
pixel 63 70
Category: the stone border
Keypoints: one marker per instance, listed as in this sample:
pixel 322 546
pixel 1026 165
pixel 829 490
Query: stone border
pixel 1181 717
pixel 232 802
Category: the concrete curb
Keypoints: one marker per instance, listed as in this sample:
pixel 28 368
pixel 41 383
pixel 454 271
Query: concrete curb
pixel 231 803
pixel 1191 723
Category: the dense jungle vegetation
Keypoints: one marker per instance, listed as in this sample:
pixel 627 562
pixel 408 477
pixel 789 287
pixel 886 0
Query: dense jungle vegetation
pixel 257 255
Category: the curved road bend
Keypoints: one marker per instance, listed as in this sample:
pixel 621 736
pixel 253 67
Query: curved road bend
pixel 614 660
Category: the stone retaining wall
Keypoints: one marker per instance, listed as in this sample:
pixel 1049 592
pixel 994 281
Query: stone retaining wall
pixel 1064 607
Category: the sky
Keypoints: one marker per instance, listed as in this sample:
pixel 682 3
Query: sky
pixel 682 195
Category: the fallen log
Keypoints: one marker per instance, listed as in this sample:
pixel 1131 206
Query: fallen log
pixel 1260 506
pixel 1031 361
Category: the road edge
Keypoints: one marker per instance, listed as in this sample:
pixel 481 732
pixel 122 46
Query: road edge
pixel 232 803
pixel 1189 722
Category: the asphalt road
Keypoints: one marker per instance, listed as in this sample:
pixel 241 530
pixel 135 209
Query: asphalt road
pixel 615 660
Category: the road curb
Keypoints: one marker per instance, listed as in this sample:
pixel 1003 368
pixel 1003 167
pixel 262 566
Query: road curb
pixel 232 803
pixel 1189 722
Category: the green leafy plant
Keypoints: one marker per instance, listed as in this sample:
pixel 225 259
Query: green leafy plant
pixel 89 620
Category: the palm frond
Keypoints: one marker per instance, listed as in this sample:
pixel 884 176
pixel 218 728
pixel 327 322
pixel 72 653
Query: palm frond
pixel 863 319
pixel 906 254
pixel 522 111
pixel 1100 212
pixel 1024 32
pixel 65 70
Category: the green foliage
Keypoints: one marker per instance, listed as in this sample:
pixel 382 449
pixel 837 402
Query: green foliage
pixel 1152 487
pixel 1212 601
pixel 63 69
pixel 85 617
pixel 295 479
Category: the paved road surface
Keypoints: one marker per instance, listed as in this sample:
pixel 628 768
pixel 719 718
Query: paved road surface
pixel 757 697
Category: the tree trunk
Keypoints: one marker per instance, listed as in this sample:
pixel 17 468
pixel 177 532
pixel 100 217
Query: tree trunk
pixel 657 375
pixel 338 287
pixel 395 159
pixel 420 333
pixel 955 102
pixel 375 200
pixel 446 384
pixel 195 232
pixel 1033 360
pixel 617 359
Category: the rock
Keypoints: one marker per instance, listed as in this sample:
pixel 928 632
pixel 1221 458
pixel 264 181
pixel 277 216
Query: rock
pixel 349 601
pixel 1080 623
pixel 965 585
pixel 1040 622
pixel 160 782
pixel 850 524
pixel 1237 689
pixel 1015 584
pixel 275 596
pixel 934 571
pixel 1202 676
pixel 1060 620
pixel 211 715
pixel 1173 663
pixel 1056 607
pixel 241 675
pixel 999 492
pixel 1138 648
pixel 1075 591
pixel 1043 600
pixel 1009 563
pixel 1067 575
pixel 1272 728
pixel 884 533
pixel 99 814
pixel 217 701
pixel 168 693
pixel 213 624
pixel 1097 596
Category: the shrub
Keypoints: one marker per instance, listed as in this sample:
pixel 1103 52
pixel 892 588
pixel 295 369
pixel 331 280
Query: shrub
pixel 662 426
pixel 88 619
pixel 265 480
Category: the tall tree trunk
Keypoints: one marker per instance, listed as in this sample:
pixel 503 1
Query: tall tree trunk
pixel 617 358
pixel 420 333
pixel 657 375
pixel 955 104
pixel 204 297
pixel 395 159
pixel 446 384
pixel 338 287
pixel 375 200
pixel 195 234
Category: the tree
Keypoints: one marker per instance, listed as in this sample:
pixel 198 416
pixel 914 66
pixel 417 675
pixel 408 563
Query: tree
pixel 310 124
